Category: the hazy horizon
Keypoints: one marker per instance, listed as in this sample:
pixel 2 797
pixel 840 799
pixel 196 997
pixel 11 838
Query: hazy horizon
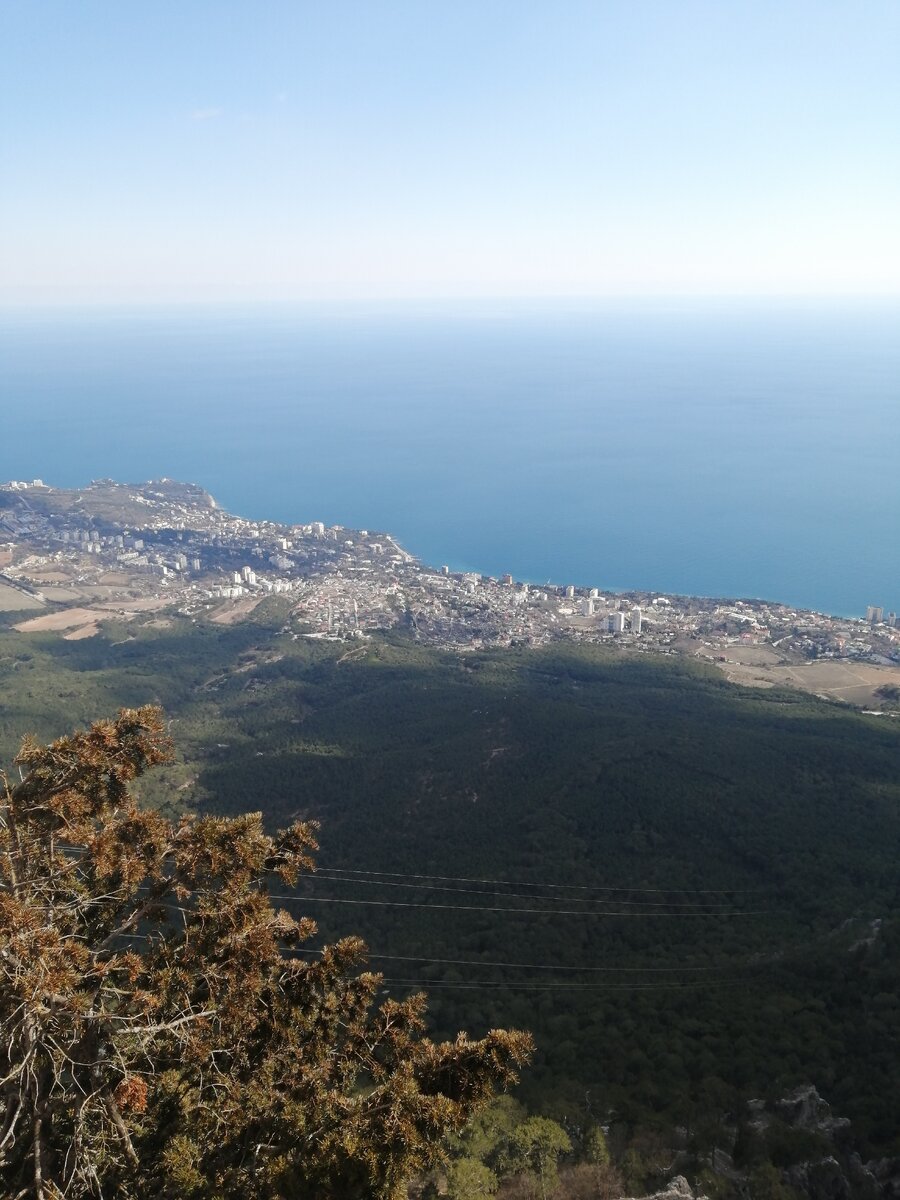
pixel 290 152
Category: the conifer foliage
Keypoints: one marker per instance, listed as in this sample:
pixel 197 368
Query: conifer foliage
pixel 160 1038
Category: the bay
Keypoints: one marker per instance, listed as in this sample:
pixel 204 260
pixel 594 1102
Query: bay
pixel 729 448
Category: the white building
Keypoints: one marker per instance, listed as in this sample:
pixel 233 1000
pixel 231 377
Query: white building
pixel 615 622
pixel 636 620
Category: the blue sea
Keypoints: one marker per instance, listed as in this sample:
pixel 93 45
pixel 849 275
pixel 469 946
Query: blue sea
pixel 733 448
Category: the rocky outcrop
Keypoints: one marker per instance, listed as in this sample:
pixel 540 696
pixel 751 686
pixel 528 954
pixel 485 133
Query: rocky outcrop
pixel 824 1179
pixel 804 1108
pixel 676 1189
pixel 835 1172
pixel 886 1173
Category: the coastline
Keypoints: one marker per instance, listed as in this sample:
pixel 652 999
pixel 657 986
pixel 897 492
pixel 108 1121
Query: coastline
pixel 133 550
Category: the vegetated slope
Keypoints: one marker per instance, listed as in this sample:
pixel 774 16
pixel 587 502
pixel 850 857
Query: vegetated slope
pixel 767 821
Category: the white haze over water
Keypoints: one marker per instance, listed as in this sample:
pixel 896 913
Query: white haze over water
pixel 731 448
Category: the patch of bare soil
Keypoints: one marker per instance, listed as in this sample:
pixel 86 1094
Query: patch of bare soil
pixel 837 679
pixel 83 631
pixel 69 618
pixel 233 611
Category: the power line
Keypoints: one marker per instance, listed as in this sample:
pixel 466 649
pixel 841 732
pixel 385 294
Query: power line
pixel 430 985
pixel 159 939
pixel 548 912
pixel 559 912
pixel 581 887
pixel 429 887
pixel 477 962
pixel 531 883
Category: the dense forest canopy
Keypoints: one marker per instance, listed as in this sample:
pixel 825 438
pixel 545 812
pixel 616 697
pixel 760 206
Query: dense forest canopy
pixel 704 876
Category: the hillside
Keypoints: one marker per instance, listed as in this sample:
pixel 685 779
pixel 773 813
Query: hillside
pixel 747 941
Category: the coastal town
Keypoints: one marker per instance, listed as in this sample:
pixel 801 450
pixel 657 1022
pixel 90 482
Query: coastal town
pixel 70 558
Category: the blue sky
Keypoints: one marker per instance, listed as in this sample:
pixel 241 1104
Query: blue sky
pixel 273 150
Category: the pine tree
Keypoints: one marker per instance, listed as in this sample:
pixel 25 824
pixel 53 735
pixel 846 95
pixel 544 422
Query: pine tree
pixel 159 1036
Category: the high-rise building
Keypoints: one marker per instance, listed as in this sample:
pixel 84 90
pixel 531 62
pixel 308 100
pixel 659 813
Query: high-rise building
pixel 615 622
pixel 874 615
pixel 570 592
pixel 636 620
pixel 587 607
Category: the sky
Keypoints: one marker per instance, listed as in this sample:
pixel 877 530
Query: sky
pixel 198 150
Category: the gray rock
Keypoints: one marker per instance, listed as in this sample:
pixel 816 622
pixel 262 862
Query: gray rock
pixel 886 1173
pixel 676 1189
pixel 804 1108
pixel 821 1180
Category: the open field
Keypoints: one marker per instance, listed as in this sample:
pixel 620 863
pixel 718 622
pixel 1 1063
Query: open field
pixel 70 618
pixel 753 656
pixel 83 621
pixel 852 682
pixel 42 577
pixel 147 604
pixel 62 595
pixel 105 591
pixel 12 600
pixel 82 631
pixel 232 612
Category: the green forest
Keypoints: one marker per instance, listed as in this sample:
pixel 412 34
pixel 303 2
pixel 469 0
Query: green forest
pixel 686 890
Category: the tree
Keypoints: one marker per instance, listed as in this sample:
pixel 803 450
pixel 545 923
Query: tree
pixel 469 1179
pixel 161 1036
pixel 595 1148
pixel 535 1147
pixel 490 1128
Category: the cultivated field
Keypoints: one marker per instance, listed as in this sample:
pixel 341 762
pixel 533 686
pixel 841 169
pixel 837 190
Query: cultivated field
pixel 12 600
pixel 852 682
pixel 56 622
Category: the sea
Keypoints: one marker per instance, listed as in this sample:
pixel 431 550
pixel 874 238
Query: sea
pixel 740 448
